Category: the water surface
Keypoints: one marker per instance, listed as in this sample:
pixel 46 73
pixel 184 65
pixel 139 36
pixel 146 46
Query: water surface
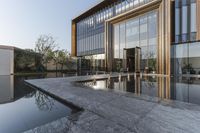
pixel 186 89
pixel 23 108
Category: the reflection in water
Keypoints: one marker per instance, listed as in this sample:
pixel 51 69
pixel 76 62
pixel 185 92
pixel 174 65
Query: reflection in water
pixel 6 89
pixel 23 108
pixel 44 102
pixel 186 89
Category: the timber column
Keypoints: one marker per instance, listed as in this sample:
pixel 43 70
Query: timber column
pixel 164 46
pixel 198 20
pixel 74 44
pixel 164 37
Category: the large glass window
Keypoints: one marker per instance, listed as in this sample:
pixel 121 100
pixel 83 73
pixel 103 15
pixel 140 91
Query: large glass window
pixel 193 17
pixel 194 58
pixel 185 20
pixel 193 25
pixel 152 41
pixel 143 31
pixel 116 41
pixel 143 42
pixel 132 33
pixel 89 27
pixel 177 25
pixel 180 63
pixel 184 23
pixel 91 64
pixel 136 32
pixel 116 61
pixel 186 59
pixel 136 2
pixel 122 33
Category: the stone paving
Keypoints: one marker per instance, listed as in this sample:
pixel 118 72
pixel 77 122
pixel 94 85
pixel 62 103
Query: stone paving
pixel 117 112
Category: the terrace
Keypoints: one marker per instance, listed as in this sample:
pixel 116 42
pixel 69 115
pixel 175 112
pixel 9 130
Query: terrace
pixel 112 110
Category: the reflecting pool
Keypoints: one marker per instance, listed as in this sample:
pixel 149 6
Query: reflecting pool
pixel 23 108
pixel 186 89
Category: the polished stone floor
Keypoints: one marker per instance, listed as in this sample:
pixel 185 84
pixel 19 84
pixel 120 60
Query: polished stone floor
pixel 117 112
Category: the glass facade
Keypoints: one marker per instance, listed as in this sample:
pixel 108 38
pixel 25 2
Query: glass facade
pixel 184 53
pixel 139 32
pixel 90 64
pixel 186 59
pixel 90 31
pixel 185 20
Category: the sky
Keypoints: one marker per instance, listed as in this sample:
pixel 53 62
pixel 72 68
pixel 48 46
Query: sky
pixel 23 21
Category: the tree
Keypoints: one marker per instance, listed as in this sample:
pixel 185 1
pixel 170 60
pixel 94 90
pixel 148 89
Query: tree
pixel 63 58
pixel 26 60
pixel 45 45
pixel 71 62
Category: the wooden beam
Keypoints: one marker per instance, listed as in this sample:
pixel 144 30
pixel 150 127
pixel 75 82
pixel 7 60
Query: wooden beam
pixel 136 12
pixel 73 40
pixel 94 9
pixel 198 19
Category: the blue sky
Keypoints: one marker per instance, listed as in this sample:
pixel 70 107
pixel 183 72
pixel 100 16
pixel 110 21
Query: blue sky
pixel 23 21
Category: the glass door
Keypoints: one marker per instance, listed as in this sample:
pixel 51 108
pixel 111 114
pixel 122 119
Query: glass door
pixel 132 57
pixel 137 59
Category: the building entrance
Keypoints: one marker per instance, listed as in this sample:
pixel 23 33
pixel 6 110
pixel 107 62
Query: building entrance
pixel 132 58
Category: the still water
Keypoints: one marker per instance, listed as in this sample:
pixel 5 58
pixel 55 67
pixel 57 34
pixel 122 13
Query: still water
pixel 186 89
pixel 23 108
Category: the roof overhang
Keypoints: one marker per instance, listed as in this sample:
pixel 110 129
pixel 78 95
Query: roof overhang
pixel 94 9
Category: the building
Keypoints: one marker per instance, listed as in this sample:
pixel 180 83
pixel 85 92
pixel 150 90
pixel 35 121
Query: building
pixel 150 36
pixel 15 60
pixel 6 60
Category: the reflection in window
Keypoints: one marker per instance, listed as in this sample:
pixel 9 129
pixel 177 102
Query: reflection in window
pixel 185 20
pixel 136 32
pixel 186 58
pixel 90 64
pixel 122 39
pixel 184 23
pixel 132 33
pixel 177 25
pixel 117 61
pixel 90 30
pixel 116 41
pixel 143 31
pixel 193 25
pixel 182 61
pixel 194 58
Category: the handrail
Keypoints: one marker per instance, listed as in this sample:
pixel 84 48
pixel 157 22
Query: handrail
pixel 177 43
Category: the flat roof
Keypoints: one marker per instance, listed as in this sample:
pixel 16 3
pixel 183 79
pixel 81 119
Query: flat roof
pixel 94 9
pixel 7 47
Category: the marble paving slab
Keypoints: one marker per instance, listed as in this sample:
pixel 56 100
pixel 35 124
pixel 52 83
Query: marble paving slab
pixel 109 111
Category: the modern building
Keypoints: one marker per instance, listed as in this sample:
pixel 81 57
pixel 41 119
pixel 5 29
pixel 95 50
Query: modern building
pixel 150 36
